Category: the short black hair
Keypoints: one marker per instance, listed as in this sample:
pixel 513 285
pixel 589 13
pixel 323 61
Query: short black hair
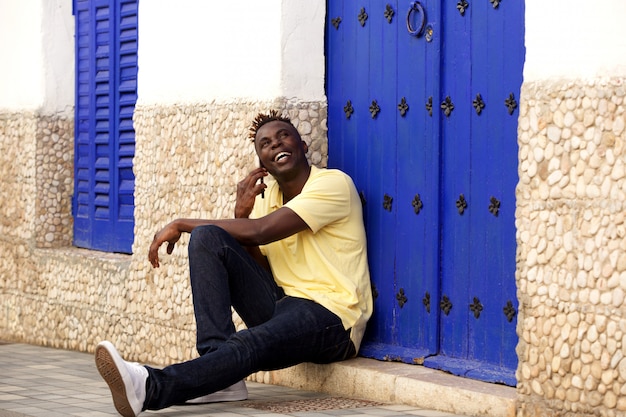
pixel 262 119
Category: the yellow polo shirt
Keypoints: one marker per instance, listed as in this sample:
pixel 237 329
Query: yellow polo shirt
pixel 326 263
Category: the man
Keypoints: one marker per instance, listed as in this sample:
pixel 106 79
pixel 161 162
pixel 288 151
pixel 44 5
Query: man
pixel 292 263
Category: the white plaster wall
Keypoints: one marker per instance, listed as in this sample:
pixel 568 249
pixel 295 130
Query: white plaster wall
pixel 575 39
pixel 37 49
pixel 198 51
pixel 21 72
pixel 302 40
pixel 58 56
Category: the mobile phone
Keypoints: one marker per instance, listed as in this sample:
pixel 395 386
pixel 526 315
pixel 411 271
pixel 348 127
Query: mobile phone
pixel 263 191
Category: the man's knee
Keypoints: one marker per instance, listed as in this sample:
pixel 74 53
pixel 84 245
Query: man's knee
pixel 207 236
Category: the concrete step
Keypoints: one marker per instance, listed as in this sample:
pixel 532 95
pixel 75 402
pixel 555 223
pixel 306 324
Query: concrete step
pixel 400 383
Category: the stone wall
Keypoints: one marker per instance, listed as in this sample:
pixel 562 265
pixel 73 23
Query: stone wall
pixel 36 164
pixel 571 235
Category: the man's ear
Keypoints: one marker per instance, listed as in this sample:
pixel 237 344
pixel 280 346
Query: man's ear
pixel 305 147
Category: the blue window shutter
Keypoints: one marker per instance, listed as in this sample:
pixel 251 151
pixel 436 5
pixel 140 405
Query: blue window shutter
pixel 106 93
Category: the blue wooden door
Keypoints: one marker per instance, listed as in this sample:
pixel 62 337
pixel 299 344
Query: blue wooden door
pixel 422 113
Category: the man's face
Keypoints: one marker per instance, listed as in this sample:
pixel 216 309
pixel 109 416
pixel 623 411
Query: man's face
pixel 280 148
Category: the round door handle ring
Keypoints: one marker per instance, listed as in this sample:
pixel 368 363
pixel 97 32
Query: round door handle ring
pixel 416 6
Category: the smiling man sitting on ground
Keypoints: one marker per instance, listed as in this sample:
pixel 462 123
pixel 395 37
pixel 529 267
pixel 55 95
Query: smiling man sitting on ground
pixel 292 263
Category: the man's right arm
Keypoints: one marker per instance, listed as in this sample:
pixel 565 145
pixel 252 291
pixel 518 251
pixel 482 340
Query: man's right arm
pixel 172 232
pixel 277 225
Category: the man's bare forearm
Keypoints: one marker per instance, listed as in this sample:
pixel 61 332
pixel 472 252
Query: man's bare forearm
pixel 252 232
pixel 187 226
pixel 242 229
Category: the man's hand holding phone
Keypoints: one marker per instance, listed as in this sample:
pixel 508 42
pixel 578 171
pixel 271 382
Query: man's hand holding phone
pixel 247 190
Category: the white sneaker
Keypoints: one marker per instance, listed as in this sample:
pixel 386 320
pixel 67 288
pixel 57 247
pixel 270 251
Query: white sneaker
pixel 235 392
pixel 126 380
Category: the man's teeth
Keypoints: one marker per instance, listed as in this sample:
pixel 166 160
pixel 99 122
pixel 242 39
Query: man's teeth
pixel 281 156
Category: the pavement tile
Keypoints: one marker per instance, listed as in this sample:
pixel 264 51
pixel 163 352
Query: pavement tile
pixel 38 381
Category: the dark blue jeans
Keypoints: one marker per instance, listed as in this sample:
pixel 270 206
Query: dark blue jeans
pixel 282 331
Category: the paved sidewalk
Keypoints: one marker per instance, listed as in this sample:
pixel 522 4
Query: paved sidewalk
pixel 43 382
